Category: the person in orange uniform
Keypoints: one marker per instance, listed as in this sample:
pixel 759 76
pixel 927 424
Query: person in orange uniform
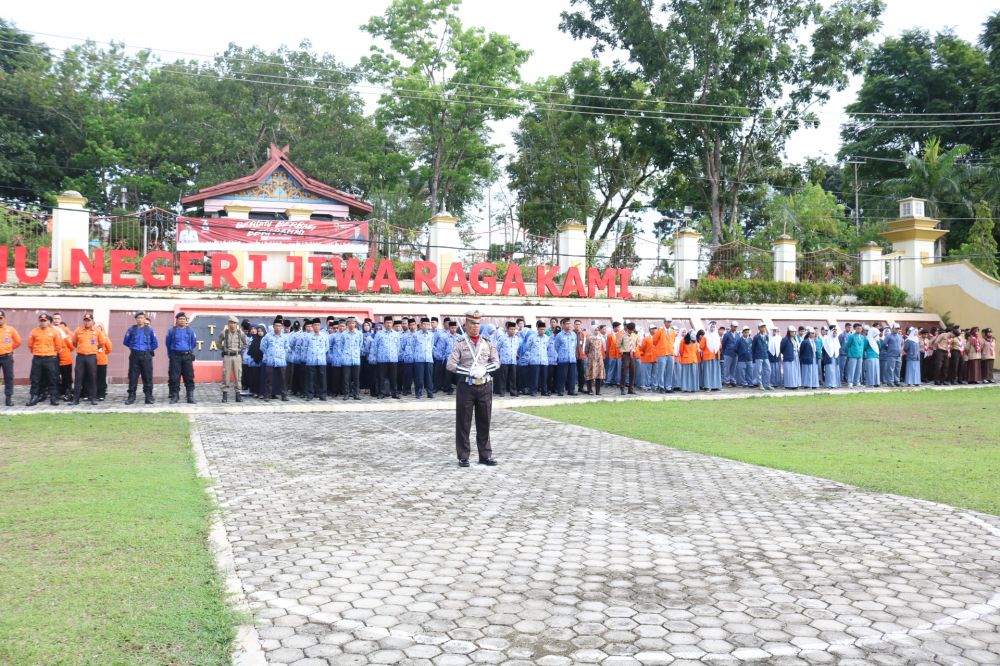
pixel 647 355
pixel 690 353
pixel 102 362
pixel 711 363
pixel 45 343
pixel 87 340
pixel 65 358
pixel 614 354
pixel 663 363
pixel 10 340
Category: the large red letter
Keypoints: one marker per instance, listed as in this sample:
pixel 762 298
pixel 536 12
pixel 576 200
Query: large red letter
pixel 456 279
pixel 513 279
pixel 42 257
pixel 296 281
pixel 624 274
pixel 121 261
pixel 573 283
pixel 385 276
pixel 161 275
pixel 353 272
pixel 257 271
pixel 596 281
pixel 224 268
pixel 95 268
pixel 545 280
pixel 487 287
pixel 189 263
pixel 317 273
pixel 425 275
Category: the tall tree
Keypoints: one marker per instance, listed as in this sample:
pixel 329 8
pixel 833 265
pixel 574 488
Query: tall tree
pixel 934 175
pixel 575 163
pixel 981 247
pixel 739 76
pixel 446 85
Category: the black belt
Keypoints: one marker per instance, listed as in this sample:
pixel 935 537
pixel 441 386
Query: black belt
pixel 6 355
pixel 181 353
pixel 230 353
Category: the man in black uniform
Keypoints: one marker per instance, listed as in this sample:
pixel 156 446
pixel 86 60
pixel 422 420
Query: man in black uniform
pixel 472 360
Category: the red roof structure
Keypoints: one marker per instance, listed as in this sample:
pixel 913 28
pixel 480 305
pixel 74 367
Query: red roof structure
pixel 277 159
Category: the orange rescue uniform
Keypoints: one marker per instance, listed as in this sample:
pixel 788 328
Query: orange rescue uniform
pixel 45 341
pixel 66 353
pixel 87 341
pixel 103 351
pixel 10 339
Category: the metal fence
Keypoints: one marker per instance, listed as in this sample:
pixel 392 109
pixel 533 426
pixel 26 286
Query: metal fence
pixel 28 229
pixel 830 266
pixel 740 261
pixel 145 231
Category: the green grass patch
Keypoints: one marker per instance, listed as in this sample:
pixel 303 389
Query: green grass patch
pixel 103 552
pixel 936 445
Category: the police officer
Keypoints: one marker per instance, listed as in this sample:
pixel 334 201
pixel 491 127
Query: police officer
pixel 232 343
pixel 472 359
pixel 142 343
pixel 9 341
pixel 181 346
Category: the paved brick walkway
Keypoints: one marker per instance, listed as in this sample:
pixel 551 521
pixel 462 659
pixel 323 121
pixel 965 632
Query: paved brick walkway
pixel 359 541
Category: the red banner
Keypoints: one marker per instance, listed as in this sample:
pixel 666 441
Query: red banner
pixel 200 233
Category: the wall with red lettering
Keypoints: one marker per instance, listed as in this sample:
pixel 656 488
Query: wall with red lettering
pixel 24 321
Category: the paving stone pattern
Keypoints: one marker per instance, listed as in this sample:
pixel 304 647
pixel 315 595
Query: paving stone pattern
pixel 359 541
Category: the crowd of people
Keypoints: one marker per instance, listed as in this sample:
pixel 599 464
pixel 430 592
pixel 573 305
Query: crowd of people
pixel 399 356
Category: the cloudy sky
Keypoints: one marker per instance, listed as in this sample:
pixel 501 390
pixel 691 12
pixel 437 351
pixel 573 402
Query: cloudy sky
pixel 333 26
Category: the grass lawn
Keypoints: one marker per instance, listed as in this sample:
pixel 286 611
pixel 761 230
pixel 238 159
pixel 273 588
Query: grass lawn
pixel 936 445
pixel 103 554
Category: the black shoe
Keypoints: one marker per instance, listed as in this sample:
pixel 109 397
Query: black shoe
pixel 396 397
pixel 76 402
pixel 323 398
pixel 93 403
pixel 8 401
pixel 190 400
pixel 32 401
pixel 357 397
pixel 489 462
pixel 239 398
pixel 174 399
pixel 150 401
pixel 284 397
pixel 225 396
pixel 463 463
pixel 130 400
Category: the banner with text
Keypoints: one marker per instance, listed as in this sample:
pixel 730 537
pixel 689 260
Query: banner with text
pixel 223 233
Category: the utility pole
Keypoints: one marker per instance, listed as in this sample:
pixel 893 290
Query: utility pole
pixel 857 188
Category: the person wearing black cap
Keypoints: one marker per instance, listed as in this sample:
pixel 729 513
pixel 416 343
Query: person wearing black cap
pixel 142 344
pixel 350 350
pixel 473 358
pixel 232 343
pixel 182 343
pixel 45 343
pixel 274 348
pixel 315 344
pixel 423 358
pixel 87 340
pixel 10 340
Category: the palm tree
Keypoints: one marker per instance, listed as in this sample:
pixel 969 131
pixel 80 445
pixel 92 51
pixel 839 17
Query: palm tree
pixel 936 176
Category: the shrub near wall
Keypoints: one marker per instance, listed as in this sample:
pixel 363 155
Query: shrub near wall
pixel 763 291
pixel 881 294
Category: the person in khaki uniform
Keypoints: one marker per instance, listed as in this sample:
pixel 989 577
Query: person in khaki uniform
pixel 232 342
pixel 473 358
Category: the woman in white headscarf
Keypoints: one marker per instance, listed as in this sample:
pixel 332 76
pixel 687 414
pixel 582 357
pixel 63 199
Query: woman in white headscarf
pixel 790 359
pixel 807 360
pixel 911 350
pixel 711 366
pixel 872 375
pixel 774 354
pixel 831 358
pixel 677 358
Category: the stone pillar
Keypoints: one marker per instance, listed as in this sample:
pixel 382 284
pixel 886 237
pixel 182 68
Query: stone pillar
pixel 444 243
pixel 872 264
pixel 913 236
pixel 572 247
pixel 784 259
pixel 70 230
pixel 686 255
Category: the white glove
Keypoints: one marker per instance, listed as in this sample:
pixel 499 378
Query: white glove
pixel 477 372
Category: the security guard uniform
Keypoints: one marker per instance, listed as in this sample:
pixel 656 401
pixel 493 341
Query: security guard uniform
pixel 472 360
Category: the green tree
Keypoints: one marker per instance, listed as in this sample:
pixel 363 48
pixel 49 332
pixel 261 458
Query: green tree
pixel 812 216
pixel 936 176
pixel 981 247
pixel 446 85
pixel 573 163
pixel 752 70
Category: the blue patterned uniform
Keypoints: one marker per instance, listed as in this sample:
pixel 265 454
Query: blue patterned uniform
pixel 334 342
pixel 524 335
pixel 442 348
pixel 507 349
pixel 350 347
pixel 314 347
pixel 275 350
pixel 369 350
pixel 406 347
pixel 536 349
pixel 566 347
pixel 387 346
pixel 423 347
pixel 553 354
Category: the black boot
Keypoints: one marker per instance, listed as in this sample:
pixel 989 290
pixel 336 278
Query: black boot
pixel 174 398
pixel 9 401
pixel 53 399
pixel 225 396
pixel 239 398
pixel 32 401
pixel 190 397
pixel 284 397
pixel 597 386
pixel 130 399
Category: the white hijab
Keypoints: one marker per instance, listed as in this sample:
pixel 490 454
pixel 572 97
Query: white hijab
pixel 774 345
pixel 873 339
pixel 677 342
pixel 911 336
pixel 712 339
pixel 831 344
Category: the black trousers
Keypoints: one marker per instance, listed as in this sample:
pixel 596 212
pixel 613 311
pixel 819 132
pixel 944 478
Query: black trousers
pixel 7 368
pixel 473 401
pixel 140 364
pixel 581 373
pixel 65 379
pixel 272 381
pixel 628 371
pixel 390 372
pixel 86 376
pixel 181 366
pixel 315 380
pixel 102 381
pixel 506 378
pixel 45 376
pixel 439 375
pixel 423 378
pixel 537 379
pixel 940 366
pixel 349 378
pixel 334 380
pixel 245 378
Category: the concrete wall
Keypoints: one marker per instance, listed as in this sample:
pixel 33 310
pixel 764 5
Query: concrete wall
pixel 967 295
